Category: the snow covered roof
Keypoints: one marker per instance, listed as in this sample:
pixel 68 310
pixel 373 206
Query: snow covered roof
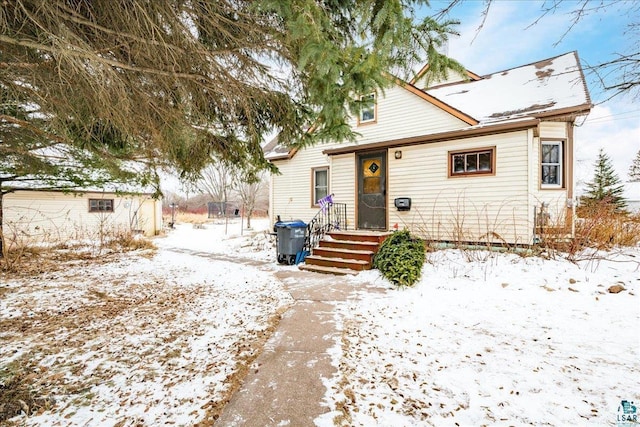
pixel 273 150
pixel 492 103
pixel 544 87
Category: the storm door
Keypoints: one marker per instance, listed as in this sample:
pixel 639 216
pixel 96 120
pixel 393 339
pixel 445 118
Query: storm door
pixel 372 191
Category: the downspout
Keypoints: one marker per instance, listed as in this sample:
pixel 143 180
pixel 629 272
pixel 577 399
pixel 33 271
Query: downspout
pixel 571 202
pixel 533 137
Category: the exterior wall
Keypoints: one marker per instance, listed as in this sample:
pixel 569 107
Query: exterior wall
pixel 291 190
pixel 48 216
pixel 556 205
pixel 343 179
pixel 503 207
pixel 424 82
pixel 471 208
pixel 402 114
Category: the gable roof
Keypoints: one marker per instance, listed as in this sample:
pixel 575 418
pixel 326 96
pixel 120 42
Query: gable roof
pixel 420 74
pixel 437 102
pixel 273 150
pixel 548 87
pixel 506 99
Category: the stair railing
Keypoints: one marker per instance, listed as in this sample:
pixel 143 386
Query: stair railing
pixel 331 216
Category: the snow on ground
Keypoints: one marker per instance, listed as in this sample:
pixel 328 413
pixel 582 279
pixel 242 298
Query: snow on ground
pixel 491 339
pixel 483 339
pixel 135 339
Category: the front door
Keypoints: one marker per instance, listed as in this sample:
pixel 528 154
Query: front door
pixel 372 191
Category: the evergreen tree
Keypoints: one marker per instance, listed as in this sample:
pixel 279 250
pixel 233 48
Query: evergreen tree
pixel 606 187
pixel 185 80
pixel 634 170
pixel 175 82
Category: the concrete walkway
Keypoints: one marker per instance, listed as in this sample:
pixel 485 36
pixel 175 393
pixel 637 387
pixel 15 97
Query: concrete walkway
pixel 284 386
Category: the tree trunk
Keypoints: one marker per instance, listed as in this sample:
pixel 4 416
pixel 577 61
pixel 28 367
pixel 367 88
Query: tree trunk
pixel 2 246
pixel 249 213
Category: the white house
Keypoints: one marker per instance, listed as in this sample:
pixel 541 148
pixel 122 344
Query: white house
pixel 474 159
pixel 53 216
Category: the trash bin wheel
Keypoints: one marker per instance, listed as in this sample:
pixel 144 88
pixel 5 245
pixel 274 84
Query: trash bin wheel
pixel 282 259
pixel 292 259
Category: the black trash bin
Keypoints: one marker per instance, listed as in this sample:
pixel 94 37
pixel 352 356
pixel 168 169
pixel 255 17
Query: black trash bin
pixel 290 236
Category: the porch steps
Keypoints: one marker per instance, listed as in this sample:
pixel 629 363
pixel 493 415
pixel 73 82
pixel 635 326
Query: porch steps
pixel 328 270
pixel 345 252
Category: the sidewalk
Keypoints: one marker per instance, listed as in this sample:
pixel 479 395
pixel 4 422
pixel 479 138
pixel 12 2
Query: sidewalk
pixel 284 386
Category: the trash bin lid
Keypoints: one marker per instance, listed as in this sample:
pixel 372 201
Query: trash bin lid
pixel 298 223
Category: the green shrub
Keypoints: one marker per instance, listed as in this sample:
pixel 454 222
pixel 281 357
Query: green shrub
pixel 400 258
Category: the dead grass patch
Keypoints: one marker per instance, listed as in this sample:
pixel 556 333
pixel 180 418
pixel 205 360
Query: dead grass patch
pixel 33 260
pixel 98 327
pixel 18 391
pixel 190 218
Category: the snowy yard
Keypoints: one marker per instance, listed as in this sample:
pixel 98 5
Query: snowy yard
pixel 492 339
pixel 163 337
pixel 139 339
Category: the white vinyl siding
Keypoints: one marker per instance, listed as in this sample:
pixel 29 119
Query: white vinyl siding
pixel 291 198
pixel 476 208
pixel 554 198
pixel 452 77
pixel 343 175
pixel 402 114
pixel 48 216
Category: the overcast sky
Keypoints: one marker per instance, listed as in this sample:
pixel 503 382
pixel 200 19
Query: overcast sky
pixel 508 39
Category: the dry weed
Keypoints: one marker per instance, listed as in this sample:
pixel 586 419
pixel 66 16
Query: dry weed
pixel 190 218
pixel 25 260
pixel 601 227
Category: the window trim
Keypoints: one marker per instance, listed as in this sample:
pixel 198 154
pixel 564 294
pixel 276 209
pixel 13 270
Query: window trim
pixel 561 164
pixel 314 200
pixel 479 150
pixel 109 209
pixel 375 110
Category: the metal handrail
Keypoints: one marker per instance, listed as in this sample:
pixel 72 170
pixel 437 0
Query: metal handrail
pixel 332 216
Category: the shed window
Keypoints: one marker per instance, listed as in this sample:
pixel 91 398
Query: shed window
pixel 320 177
pixel 100 205
pixel 477 162
pixel 551 164
pixel 367 109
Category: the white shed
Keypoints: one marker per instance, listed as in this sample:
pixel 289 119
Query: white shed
pixel 53 216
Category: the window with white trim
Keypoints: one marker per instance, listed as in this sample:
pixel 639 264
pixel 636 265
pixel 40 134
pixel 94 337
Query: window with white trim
pixel 100 205
pixel 551 164
pixel 367 108
pixel 320 177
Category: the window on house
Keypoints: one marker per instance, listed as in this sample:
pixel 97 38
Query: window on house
pixel 477 162
pixel 551 164
pixel 320 178
pixel 367 108
pixel 100 205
